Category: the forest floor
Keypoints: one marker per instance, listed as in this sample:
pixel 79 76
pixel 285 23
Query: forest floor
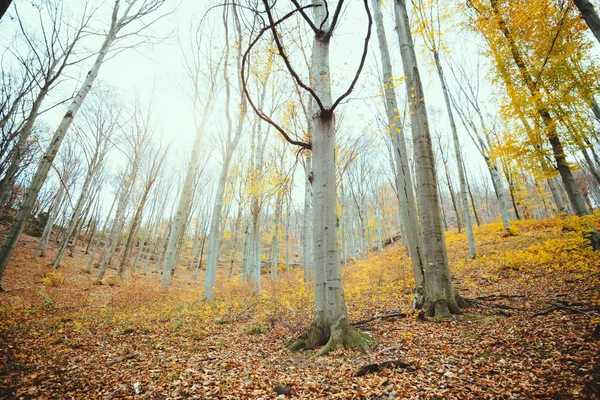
pixel 533 332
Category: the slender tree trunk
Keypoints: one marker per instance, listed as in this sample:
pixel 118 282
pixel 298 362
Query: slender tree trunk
pixel 7 182
pixel 472 200
pixel 182 210
pixel 459 162
pixel 44 166
pixel 99 238
pixel 558 201
pixel 214 234
pixel 43 243
pixel 74 219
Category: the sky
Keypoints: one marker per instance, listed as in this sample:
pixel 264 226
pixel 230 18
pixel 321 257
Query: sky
pixel 154 75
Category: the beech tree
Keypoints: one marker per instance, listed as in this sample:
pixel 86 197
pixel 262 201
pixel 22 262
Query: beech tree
pixel 590 16
pixel 429 22
pixel 533 79
pixel 330 326
pixel 96 134
pixel 48 56
pixel 440 298
pixel 403 176
pixel 231 141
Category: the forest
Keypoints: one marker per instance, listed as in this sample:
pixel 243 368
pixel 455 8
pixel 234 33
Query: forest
pixel 304 199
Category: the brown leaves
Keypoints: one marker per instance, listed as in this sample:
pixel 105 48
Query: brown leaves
pixel 130 341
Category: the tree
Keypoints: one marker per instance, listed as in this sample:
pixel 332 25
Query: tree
pixel 432 38
pixel 440 298
pixel 505 45
pixel 47 59
pixel 156 158
pixel 95 134
pixel 403 176
pixel 231 141
pixel 330 326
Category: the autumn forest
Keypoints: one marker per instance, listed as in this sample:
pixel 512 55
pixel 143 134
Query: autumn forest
pixel 303 199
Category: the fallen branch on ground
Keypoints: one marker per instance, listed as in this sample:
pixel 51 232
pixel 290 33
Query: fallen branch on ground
pixel 497 296
pixel 381 316
pixel 376 367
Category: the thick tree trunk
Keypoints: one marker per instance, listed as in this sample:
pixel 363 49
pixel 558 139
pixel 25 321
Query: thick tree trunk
pixel 440 299
pixel 403 176
pixel 307 229
pixel 330 325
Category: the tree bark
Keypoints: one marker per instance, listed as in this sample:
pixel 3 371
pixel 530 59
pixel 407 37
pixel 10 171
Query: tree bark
pixel 590 16
pixel 403 177
pixel 440 299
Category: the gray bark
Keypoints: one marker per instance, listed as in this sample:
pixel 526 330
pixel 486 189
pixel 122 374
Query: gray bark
pixel 590 16
pixel 439 298
pixel 403 177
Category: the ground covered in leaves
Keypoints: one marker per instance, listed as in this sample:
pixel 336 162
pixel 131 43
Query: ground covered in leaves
pixel 531 330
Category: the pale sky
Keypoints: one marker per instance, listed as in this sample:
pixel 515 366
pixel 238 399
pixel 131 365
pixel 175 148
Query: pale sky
pixel 155 74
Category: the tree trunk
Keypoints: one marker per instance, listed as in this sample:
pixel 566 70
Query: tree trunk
pixel 215 233
pixel 590 16
pixel 461 173
pixel 44 166
pixel 74 218
pixel 440 299
pixel 182 210
pixel 406 198
pixel 43 243
pixel 91 260
pixel 558 201
pixel 330 325
pixel 307 229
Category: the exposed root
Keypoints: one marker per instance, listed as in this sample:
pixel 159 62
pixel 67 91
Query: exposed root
pixel 344 337
pixel 439 310
pixel 315 336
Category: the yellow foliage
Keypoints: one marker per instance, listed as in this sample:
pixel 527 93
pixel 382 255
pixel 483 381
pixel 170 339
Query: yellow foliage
pixel 54 279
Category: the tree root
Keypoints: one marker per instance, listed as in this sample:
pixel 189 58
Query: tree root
pixel 339 336
pixel 343 336
pixel 315 336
